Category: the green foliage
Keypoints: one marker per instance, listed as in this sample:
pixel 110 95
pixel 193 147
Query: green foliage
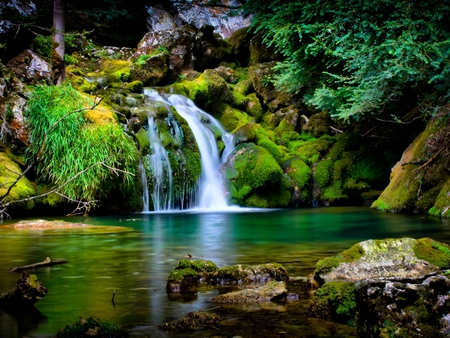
pixel 357 57
pixel 73 154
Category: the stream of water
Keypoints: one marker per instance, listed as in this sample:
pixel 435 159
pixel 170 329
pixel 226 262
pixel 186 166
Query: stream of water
pixel 133 255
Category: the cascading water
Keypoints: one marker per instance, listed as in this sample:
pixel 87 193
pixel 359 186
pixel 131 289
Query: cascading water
pixel 209 193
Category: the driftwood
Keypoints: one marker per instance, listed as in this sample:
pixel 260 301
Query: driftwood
pixel 27 292
pixel 47 262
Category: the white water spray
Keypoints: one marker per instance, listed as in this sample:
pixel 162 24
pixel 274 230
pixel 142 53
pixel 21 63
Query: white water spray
pixel 211 186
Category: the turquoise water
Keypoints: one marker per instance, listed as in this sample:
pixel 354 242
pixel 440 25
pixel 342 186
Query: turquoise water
pixel 134 254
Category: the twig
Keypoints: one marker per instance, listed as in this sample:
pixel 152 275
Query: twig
pixel 46 262
pixel 398 122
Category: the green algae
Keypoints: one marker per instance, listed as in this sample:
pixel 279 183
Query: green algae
pixel 433 252
pixel 350 255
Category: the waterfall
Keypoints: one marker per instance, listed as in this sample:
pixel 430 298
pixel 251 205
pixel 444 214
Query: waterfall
pixel 209 193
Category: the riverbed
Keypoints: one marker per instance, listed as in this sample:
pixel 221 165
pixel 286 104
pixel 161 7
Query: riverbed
pixel 132 256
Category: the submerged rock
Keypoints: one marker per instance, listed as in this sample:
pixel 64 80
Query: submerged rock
pixel 191 321
pixel 92 327
pixel 273 290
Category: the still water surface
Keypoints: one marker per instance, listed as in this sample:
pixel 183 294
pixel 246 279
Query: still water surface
pixel 134 254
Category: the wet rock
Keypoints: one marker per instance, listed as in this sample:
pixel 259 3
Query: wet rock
pixel 14 125
pixel 204 268
pixel 389 258
pixel 191 321
pixel 261 74
pixel 404 309
pixel 159 20
pixel 261 273
pixel 318 124
pixel 30 67
pixel 182 281
pixel 273 290
pixel 92 327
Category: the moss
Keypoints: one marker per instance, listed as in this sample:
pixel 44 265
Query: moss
pixel 135 86
pixel 271 147
pixel 240 101
pixel 9 172
pixel 233 273
pixel 254 107
pixel 92 327
pixel 322 172
pixel 244 87
pixel 299 172
pixel 441 207
pixel 209 88
pixel 179 275
pixel 116 70
pixel 350 255
pixel 433 252
pixel 232 119
pixel 335 300
pixel 201 266
pixel 271 196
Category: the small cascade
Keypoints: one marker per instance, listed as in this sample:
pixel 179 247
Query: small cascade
pixel 159 165
pixel 145 195
pixel 209 193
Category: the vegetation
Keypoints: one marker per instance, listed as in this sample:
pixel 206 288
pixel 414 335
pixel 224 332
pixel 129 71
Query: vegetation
pixel 92 327
pixel 359 58
pixel 86 159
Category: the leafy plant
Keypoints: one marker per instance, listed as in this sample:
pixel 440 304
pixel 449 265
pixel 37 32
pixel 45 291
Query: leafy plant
pixel 86 160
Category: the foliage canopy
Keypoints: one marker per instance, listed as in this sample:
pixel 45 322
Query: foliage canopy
pixel 355 57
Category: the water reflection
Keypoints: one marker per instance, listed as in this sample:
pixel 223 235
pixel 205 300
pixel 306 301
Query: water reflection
pixel 135 254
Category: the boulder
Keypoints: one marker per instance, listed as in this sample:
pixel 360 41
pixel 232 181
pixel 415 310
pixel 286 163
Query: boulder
pixel 261 75
pixel 271 291
pixel 261 273
pixel 30 67
pixel 392 258
pixel 182 281
pixel 419 308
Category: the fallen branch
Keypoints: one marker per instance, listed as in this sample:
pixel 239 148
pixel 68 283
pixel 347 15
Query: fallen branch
pixel 47 262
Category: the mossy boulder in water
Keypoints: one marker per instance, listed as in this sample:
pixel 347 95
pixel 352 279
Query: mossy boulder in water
pixel 182 281
pixel 389 259
pixel 261 273
pixel 204 268
pixel 92 327
pixel 273 290
pixel 191 321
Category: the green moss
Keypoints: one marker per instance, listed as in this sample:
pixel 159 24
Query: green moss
pixel 135 86
pixel 116 70
pixel 299 172
pixel 337 300
pixel 271 196
pixel 92 326
pixel 254 107
pixel 240 101
pixel 201 266
pixel 322 173
pixel 179 275
pixel 350 255
pixel 433 252
pixel 231 273
pixel 9 172
pixel 244 87
pixel 232 119
pixel 311 150
pixel 271 147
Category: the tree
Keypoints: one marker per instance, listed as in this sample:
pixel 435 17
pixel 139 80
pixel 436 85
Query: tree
pixel 357 58
pixel 58 46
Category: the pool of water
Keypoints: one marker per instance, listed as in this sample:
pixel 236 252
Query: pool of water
pixel 134 254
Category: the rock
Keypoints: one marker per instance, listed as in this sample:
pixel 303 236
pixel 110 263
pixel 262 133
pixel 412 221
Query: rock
pixel 403 309
pixel 210 49
pixel 92 327
pixel 420 181
pixel 159 20
pixel 14 125
pixel 285 119
pixel 204 268
pixel 30 67
pixel 261 273
pixel 260 53
pixel 217 17
pixel 182 281
pixel 318 124
pixel 336 301
pixel 389 259
pixel 260 74
pixel 240 43
pixel 151 70
pixel 191 321
pixel 271 291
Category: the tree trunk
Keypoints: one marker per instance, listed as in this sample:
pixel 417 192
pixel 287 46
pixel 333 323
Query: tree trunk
pixel 58 48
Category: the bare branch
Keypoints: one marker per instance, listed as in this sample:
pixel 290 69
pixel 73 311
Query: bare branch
pixel 398 122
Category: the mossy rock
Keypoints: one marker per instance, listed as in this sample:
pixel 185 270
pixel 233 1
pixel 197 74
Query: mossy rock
pixel 204 267
pixel 335 301
pixel 300 176
pixel 253 167
pixel 182 281
pixel 254 107
pixel 399 258
pixel 318 124
pixel 232 119
pixel 245 87
pixel 272 291
pixel 190 322
pixel 420 187
pixel 261 273
pixel 271 196
pixel 311 150
pixel 208 89
pixel 92 327
pixel 9 172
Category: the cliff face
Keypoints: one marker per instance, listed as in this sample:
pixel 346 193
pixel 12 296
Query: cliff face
pixel 420 181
